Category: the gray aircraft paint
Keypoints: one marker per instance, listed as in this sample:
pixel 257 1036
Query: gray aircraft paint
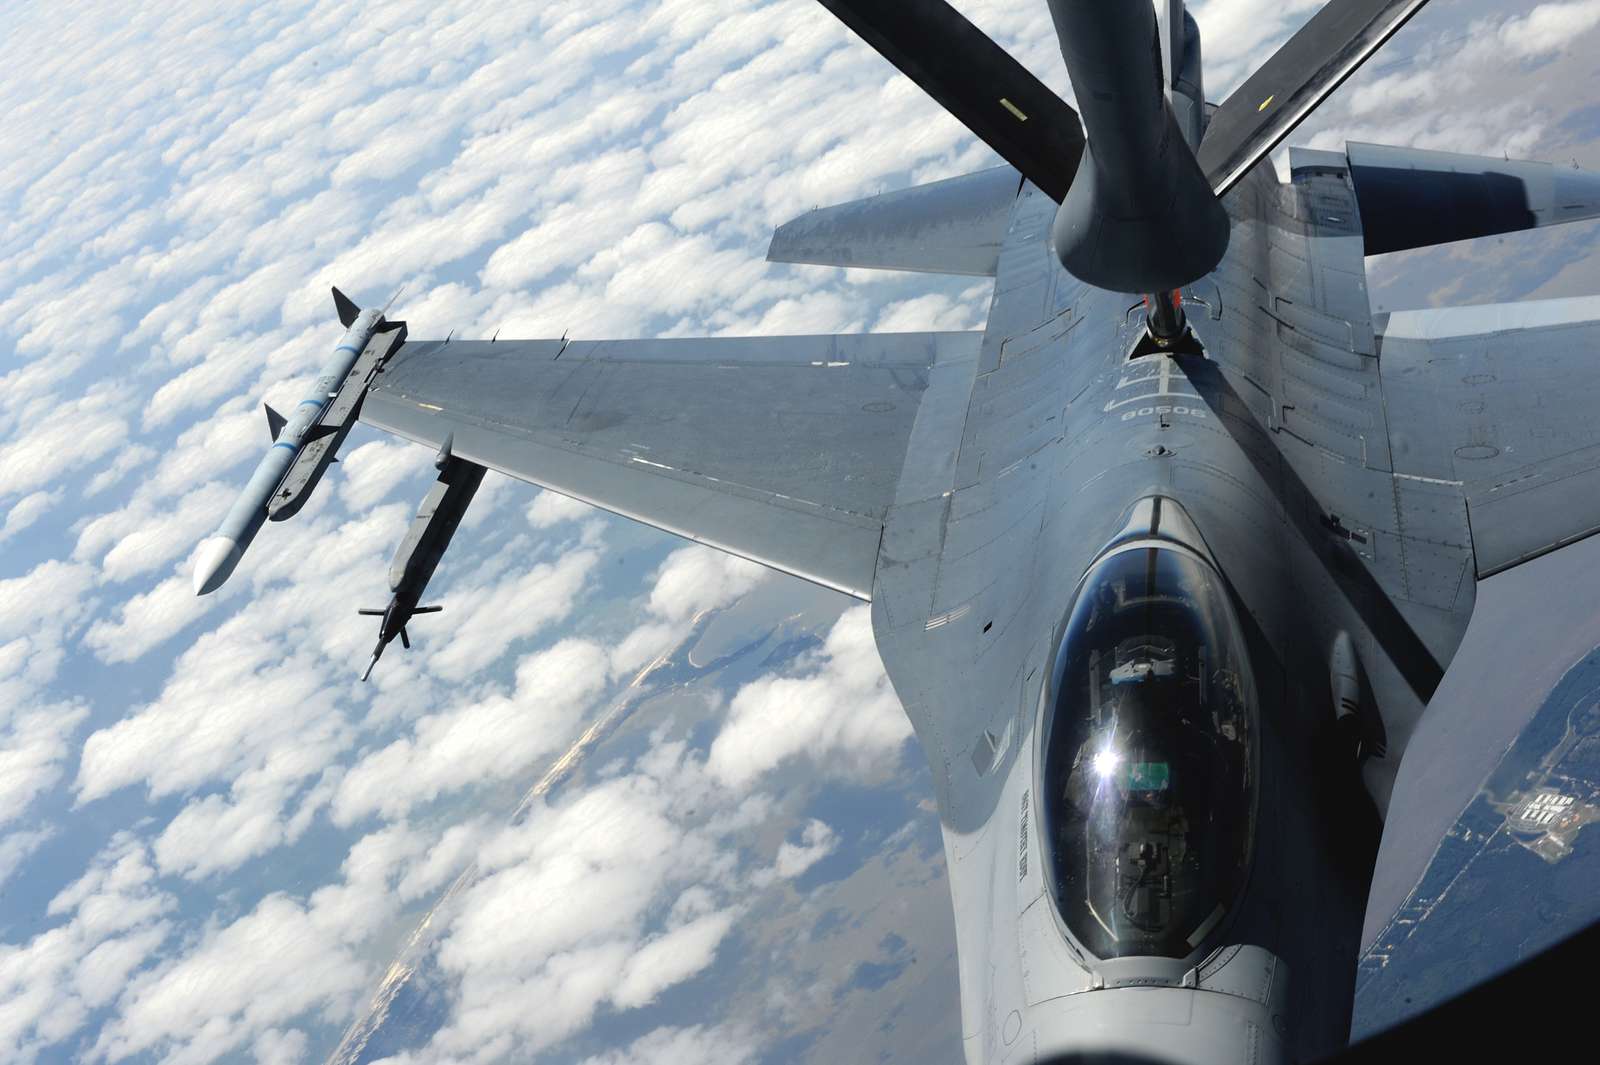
pixel 963 483
pixel 1350 486
pixel 892 231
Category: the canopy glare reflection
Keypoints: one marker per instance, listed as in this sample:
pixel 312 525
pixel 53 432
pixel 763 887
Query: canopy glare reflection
pixel 1148 753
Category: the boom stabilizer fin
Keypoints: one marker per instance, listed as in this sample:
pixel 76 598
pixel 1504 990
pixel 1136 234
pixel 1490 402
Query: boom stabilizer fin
pixel 1296 78
pixel 974 79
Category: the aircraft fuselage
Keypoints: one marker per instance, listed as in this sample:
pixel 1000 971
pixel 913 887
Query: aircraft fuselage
pixel 1274 443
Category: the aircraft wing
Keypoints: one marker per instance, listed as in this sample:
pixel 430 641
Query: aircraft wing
pixel 1499 398
pixel 783 450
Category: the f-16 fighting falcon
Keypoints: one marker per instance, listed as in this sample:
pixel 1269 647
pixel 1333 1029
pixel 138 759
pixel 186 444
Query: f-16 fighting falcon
pixel 1165 563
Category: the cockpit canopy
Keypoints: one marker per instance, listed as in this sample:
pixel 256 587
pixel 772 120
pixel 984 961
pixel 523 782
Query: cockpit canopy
pixel 1148 759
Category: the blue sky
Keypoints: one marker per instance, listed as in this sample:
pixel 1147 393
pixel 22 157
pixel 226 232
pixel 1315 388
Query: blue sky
pixel 212 838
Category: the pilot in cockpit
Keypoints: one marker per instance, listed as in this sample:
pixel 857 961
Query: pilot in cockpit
pixel 1131 769
pixel 1146 766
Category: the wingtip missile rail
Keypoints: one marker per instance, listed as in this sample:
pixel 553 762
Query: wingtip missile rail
pixel 304 442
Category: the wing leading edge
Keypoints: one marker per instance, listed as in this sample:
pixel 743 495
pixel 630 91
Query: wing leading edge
pixel 783 450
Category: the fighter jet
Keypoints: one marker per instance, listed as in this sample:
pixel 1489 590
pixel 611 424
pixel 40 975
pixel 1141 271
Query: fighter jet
pixel 1166 562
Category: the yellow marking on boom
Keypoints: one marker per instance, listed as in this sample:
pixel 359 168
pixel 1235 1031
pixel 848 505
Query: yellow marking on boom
pixel 1014 109
pixel 1265 102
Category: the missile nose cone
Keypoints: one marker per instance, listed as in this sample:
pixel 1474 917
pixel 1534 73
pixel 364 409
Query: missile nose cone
pixel 214 562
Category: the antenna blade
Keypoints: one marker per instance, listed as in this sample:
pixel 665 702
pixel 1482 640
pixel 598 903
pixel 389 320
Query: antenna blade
pixel 975 80
pixel 348 311
pixel 1289 86
pixel 405 638
pixel 396 296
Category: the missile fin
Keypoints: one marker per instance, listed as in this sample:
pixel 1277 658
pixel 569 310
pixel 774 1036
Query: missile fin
pixel 347 309
pixel 275 422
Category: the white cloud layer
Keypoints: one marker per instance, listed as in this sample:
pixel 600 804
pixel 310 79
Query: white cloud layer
pixel 32 749
pixel 840 712
pixel 111 920
pixel 695 1045
pixel 495 738
pixel 1549 28
pixel 550 509
pixel 691 580
pixel 816 843
pixel 700 578
pixel 490 618
pixel 18 847
pixel 245 979
pixel 28 510
pixel 557 926
pixel 372 471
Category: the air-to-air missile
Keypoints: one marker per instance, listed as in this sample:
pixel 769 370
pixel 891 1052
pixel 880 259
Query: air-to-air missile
pixel 302 448
pixel 419 553
pixel 304 443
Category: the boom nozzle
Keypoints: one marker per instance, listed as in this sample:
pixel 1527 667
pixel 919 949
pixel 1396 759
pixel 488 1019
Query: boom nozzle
pixel 1139 215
